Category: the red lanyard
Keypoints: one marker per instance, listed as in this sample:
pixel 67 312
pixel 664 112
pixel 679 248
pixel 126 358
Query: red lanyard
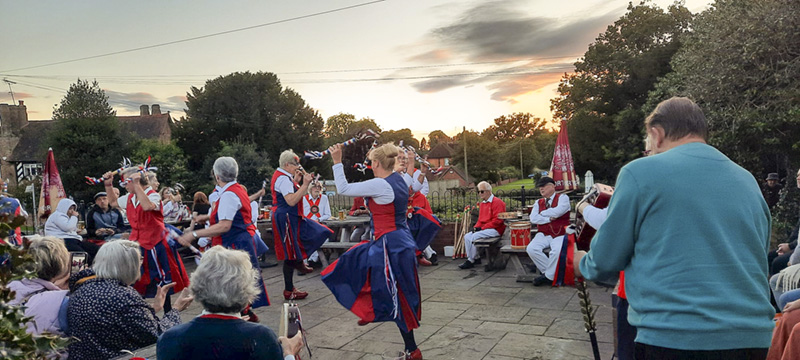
pixel 222 317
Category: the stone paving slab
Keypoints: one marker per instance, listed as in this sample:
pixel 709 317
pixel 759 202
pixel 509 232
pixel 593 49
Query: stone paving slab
pixel 466 314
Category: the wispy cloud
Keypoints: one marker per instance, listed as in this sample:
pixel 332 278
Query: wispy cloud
pixel 5 97
pixel 130 102
pixel 497 33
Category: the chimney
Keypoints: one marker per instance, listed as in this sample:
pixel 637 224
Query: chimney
pixel 144 110
pixel 156 109
pixel 21 102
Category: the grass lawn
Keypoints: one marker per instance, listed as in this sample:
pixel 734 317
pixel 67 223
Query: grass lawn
pixel 528 183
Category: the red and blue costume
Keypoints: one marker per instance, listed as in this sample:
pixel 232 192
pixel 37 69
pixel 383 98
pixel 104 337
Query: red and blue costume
pixel 241 236
pixel 161 263
pixel 295 236
pixel 12 207
pixel 378 280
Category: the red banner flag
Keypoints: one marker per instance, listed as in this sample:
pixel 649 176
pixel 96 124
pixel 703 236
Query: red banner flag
pixel 52 189
pixel 562 169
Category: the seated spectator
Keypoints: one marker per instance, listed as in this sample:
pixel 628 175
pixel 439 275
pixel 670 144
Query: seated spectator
pixel 200 206
pixel 362 232
pixel 168 205
pixel 316 207
pixel 45 297
pixel 488 225
pixel 551 216
pixel 104 222
pixel 772 190
pixel 224 284
pixel 778 259
pixel 786 337
pixel 106 315
pixel 63 224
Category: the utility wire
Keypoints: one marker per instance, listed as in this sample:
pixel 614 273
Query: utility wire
pixel 200 37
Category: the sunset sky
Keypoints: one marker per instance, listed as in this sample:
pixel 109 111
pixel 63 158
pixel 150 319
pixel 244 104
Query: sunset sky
pixel 423 65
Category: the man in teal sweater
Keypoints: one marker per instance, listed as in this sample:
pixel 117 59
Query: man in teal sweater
pixel 691 230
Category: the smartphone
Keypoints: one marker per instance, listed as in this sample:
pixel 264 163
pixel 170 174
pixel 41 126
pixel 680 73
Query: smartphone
pixel 78 261
pixel 362 208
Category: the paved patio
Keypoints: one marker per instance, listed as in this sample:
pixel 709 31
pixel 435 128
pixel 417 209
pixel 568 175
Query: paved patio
pixel 466 314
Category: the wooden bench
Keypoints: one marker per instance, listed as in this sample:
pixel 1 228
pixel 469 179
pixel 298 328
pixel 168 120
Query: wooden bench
pixel 331 247
pixel 491 252
pixel 523 273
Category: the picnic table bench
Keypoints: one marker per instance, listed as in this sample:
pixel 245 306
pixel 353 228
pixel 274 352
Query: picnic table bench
pixel 490 247
pixel 523 273
pixel 333 247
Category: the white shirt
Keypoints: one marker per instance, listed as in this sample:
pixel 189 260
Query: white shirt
pixel 554 212
pixel 284 185
pixel 229 203
pixel 420 186
pixel 122 201
pixel 377 189
pixel 254 211
pixel 489 200
pixel 324 207
pixel 594 217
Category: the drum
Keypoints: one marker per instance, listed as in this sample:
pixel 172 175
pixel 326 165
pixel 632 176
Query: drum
pixel 520 234
pixel 507 215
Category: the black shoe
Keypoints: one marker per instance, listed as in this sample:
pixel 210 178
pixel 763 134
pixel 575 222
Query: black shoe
pixel 315 264
pixel 477 261
pixel 266 264
pixel 541 280
pixel 467 265
pixel 434 259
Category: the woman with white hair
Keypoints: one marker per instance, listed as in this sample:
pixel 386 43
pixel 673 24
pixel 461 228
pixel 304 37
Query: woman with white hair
pixel 231 222
pixel 378 280
pixel 106 315
pixel 294 237
pixel 161 263
pixel 45 296
pixel 224 283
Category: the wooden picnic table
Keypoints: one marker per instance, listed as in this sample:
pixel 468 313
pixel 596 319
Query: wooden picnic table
pixel 342 227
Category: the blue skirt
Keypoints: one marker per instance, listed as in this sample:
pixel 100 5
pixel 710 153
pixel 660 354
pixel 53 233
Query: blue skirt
pixel 423 226
pixel 297 237
pixel 243 241
pixel 378 281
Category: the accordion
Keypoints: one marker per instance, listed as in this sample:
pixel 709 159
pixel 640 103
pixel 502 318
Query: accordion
pixel 599 197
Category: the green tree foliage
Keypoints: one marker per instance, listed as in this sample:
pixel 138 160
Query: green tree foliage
pixel 254 165
pixel 482 156
pixel 436 137
pixel 85 138
pixel 741 63
pixel 342 126
pixel 15 342
pixel 397 135
pixel 523 149
pixel 602 99
pixel 514 126
pixel 249 108
pixel 168 158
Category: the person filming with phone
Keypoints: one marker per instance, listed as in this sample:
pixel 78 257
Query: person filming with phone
pixel 63 224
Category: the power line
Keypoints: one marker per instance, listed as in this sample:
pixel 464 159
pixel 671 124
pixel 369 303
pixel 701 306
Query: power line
pixel 64 91
pixel 188 76
pixel 201 36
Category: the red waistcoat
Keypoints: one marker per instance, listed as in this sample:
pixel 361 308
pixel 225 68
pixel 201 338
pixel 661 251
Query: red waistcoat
pixel 147 227
pixel 556 227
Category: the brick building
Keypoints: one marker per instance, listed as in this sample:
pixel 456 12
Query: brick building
pixel 22 142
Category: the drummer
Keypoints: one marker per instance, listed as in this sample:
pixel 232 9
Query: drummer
pixel 551 216
pixel 489 224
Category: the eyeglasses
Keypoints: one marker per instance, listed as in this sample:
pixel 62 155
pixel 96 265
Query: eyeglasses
pixel 482 191
pixel 294 164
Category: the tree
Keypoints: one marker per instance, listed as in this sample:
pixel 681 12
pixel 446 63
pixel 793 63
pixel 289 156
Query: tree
pixel 436 137
pixel 254 165
pixel 514 126
pixel 250 108
pixel 337 126
pixel 396 136
pixel 168 158
pixel 482 157
pixel 524 149
pixel 610 85
pixel 740 64
pixel 85 137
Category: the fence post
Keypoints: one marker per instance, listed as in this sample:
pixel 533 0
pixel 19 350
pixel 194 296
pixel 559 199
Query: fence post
pixel 522 195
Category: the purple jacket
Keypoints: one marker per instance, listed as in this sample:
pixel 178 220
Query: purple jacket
pixel 43 306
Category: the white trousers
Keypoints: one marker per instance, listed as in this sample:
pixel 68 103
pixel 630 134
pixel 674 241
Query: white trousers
pixel 472 251
pixel 546 264
pixel 428 252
